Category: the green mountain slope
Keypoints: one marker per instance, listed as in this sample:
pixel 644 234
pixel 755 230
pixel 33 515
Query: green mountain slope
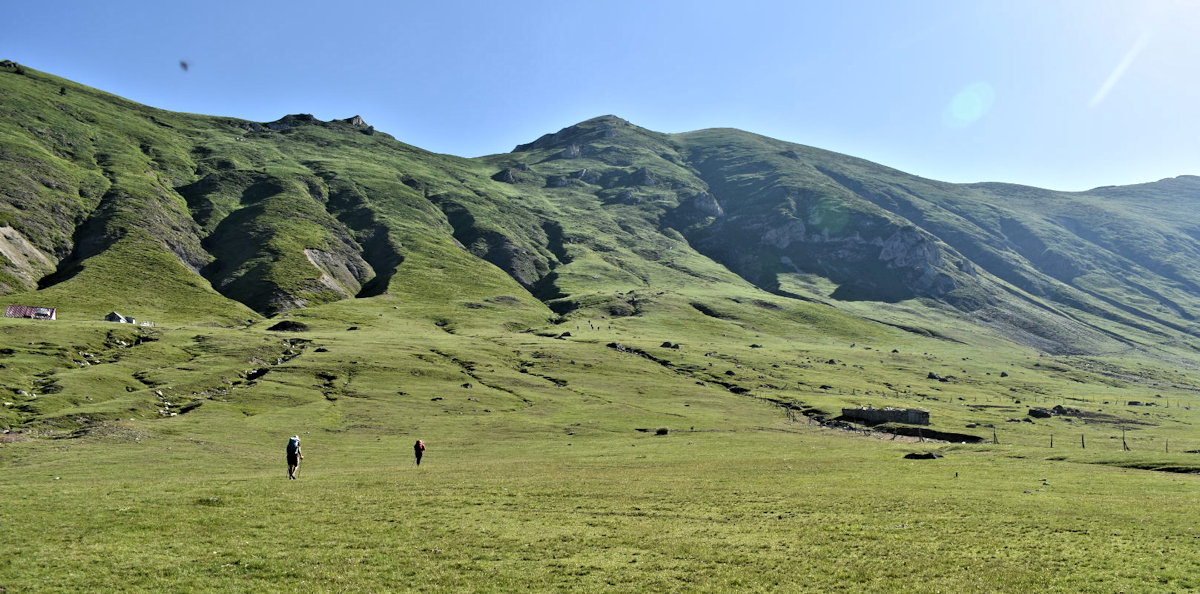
pixel 229 220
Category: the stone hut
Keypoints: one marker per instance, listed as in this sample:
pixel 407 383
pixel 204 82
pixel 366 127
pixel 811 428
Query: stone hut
pixel 875 416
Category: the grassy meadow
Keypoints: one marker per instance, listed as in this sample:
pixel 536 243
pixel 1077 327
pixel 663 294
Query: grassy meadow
pixel 151 459
pixel 628 353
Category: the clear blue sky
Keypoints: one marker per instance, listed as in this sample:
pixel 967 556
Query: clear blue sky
pixel 1059 94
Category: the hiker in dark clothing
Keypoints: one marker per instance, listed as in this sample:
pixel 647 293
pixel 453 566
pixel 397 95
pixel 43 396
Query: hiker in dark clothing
pixel 294 456
pixel 418 450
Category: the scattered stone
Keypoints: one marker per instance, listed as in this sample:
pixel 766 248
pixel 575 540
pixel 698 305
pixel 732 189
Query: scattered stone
pixel 1041 413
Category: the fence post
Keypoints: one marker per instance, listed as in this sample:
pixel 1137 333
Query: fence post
pixel 1082 442
pixel 1052 441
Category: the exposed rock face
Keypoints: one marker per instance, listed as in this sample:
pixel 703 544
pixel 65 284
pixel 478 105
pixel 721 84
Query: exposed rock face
pixel 344 273
pixel 643 177
pixel 916 256
pixel 707 204
pixel 25 261
pixel 870 257
pixel 586 175
pixel 505 175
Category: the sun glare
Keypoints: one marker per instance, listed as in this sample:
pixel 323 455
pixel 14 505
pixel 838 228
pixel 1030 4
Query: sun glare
pixel 969 105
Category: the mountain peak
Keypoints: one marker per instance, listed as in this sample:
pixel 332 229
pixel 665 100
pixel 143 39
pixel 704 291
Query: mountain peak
pixel 597 128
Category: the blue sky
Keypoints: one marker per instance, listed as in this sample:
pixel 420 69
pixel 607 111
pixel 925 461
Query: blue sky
pixel 1058 94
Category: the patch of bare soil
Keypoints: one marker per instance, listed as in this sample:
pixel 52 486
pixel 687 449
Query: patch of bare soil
pixel 1107 419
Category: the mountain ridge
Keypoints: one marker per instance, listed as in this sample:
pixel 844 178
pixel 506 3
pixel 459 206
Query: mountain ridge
pixel 244 219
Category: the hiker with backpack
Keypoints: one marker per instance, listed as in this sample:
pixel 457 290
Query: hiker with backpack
pixel 294 456
pixel 418 450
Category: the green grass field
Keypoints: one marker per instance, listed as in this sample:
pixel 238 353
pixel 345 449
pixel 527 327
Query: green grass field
pixel 545 469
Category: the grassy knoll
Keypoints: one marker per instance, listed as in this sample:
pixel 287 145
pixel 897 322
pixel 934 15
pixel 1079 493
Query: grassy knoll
pixel 545 469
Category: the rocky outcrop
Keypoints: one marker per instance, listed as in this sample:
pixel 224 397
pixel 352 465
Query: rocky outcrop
pixel 514 175
pixel 344 272
pixel 291 121
pixel 707 205
pixel 25 261
pixel 871 257
pixel 643 177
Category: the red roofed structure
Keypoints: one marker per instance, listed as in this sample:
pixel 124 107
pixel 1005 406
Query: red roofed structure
pixel 28 311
